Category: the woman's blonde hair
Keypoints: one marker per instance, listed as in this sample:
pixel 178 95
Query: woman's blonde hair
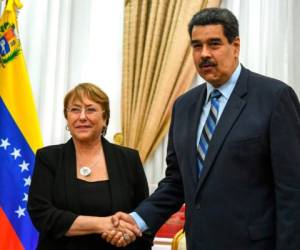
pixel 92 92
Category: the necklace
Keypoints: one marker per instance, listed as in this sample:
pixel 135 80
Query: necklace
pixel 87 170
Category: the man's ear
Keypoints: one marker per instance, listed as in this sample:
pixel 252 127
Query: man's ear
pixel 236 44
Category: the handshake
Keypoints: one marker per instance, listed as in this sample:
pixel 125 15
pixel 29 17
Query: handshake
pixel 120 229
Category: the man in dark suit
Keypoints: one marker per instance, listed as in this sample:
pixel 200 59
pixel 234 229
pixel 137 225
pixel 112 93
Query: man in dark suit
pixel 233 151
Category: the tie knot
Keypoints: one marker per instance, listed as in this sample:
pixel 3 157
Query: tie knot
pixel 216 94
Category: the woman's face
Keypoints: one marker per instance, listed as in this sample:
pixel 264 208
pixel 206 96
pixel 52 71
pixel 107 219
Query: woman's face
pixel 85 120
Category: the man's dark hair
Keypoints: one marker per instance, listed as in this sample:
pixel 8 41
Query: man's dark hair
pixel 217 16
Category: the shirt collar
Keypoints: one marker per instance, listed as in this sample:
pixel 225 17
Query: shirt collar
pixel 227 88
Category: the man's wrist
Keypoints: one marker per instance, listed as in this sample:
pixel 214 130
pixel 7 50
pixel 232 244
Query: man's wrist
pixel 139 221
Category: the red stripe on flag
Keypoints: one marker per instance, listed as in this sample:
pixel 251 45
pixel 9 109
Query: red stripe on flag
pixel 8 237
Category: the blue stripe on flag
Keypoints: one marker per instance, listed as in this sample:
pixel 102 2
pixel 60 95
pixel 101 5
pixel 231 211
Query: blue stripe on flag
pixel 16 167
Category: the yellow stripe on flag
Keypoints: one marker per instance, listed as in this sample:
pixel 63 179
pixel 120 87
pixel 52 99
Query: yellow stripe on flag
pixel 15 88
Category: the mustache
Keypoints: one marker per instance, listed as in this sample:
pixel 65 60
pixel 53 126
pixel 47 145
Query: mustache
pixel 206 62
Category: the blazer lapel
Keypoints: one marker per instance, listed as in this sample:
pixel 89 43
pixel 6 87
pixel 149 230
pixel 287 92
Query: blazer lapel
pixel 114 174
pixel 72 188
pixel 230 114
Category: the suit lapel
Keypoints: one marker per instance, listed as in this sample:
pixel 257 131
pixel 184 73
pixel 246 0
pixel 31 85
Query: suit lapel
pixel 229 116
pixel 195 113
pixel 72 188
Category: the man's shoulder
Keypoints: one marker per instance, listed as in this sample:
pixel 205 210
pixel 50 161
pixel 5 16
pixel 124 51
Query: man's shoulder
pixel 192 94
pixel 265 82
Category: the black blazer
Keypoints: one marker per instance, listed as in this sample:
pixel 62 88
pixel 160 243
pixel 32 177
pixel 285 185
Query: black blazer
pixel 248 196
pixel 53 199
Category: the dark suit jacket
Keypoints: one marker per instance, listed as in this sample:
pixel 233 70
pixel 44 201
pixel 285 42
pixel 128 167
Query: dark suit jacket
pixel 53 200
pixel 248 196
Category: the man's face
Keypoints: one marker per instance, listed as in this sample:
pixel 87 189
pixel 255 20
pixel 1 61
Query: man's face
pixel 214 57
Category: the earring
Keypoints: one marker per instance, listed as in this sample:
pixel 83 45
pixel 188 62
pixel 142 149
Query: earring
pixel 67 128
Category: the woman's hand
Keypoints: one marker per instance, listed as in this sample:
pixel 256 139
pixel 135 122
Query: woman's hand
pixel 125 231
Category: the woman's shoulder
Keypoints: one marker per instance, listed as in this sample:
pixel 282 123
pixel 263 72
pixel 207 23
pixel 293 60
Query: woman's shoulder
pixel 51 152
pixel 124 153
pixel 120 148
pixel 124 149
pixel 50 148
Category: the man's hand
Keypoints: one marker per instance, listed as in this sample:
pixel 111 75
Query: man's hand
pixel 127 220
pixel 126 230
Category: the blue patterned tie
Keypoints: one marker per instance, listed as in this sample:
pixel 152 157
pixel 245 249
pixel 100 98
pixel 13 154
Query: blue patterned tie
pixel 208 129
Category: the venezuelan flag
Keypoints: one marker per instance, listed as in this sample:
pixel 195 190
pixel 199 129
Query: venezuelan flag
pixel 19 137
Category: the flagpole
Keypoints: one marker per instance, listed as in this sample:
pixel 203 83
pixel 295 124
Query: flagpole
pixel 1 3
pixel 0 8
pixel 1 63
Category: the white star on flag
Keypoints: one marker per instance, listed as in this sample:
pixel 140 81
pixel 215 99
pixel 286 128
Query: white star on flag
pixel 4 143
pixel 20 212
pixel 27 181
pixel 16 153
pixel 25 197
pixel 24 166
